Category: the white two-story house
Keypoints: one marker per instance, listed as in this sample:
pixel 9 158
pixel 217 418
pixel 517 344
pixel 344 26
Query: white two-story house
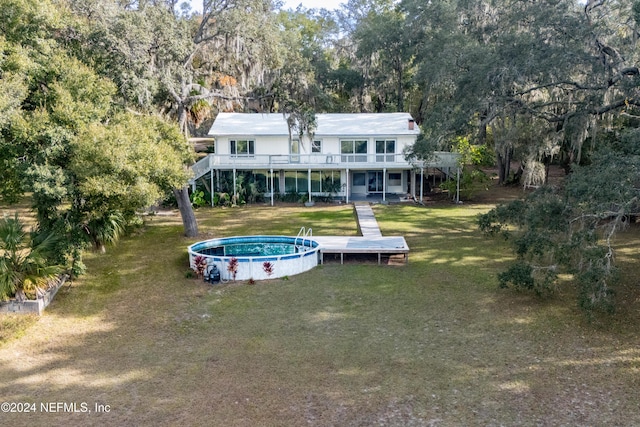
pixel 348 155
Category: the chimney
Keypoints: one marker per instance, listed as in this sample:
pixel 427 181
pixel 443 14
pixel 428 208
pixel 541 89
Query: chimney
pixel 412 124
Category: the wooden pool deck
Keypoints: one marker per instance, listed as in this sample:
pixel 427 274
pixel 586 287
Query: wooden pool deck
pixel 371 242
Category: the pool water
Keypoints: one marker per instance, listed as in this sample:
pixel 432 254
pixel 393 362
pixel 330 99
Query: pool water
pixel 250 249
pixel 259 249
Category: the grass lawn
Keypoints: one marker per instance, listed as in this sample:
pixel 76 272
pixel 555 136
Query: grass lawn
pixel 430 343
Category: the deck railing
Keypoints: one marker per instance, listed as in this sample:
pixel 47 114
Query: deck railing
pixel 318 160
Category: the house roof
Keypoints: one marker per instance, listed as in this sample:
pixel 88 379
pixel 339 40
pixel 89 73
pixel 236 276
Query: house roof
pixel 361 124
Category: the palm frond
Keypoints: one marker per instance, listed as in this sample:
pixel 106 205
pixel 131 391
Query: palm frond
pixel 106 229
pixel 24 262
pixel 12 233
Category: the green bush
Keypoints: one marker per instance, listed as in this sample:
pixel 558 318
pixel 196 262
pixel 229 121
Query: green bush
pixel 197 199
pixel 472 180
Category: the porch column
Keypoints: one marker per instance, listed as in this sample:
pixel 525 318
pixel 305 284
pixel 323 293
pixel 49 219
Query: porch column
pixel 421 183
pixel 235 193
pixel 384 184
pixel 309 183
pixel 412 183
pixel 212 189
pixel 282 187
pixel 272 191
pixel 458 185
pixel 347 188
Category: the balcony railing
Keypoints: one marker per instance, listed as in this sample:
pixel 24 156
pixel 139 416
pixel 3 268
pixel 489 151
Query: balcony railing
pixel 317 160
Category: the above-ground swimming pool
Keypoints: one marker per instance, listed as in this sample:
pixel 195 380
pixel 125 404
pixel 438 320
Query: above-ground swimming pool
pixel 259 257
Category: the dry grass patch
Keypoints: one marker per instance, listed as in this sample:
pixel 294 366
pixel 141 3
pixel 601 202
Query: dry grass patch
pixel 13 326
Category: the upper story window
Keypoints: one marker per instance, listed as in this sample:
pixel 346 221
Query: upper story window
pixel 385 150
pixel 294 150
pixel 353 150
pixel 243 147
pixel 316 146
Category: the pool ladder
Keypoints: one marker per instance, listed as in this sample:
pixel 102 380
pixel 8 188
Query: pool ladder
pixel 303 234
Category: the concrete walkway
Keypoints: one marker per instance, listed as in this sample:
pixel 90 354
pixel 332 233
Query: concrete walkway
pixel 367 221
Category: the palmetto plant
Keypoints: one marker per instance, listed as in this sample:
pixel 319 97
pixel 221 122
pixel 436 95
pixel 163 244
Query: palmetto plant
pixel 24 267
pixel 105 229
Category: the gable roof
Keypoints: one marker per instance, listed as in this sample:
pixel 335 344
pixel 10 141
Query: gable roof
pixel 334 124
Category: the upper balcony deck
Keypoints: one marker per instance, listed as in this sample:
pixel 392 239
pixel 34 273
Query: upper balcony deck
pixel 317 161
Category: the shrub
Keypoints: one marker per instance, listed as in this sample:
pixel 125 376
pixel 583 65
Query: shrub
pixel 197 199
pixel 267 266
pixel 232 268
pixel 200 264
pixel 471 181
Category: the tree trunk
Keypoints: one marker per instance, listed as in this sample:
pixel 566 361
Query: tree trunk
pixel 400 88
pixel 547 167
pixel 504 165
pixel 482 129
pixel 186 211
pixel 20 295
pixel 182 119
pixel 500 164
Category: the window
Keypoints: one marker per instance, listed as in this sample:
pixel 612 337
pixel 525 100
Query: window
pixel 316 181
pixel 385 150
pixel 359 179
pixel 243 147
pixel 290 182
pixel 353 150
pixel 263 179
pixel 296 182
pixel 331 182
pixel 375 183
pixel 294 150
pixel 395 179
pixel 316 146
pixel 260 179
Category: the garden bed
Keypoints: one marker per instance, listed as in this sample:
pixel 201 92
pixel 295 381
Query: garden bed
pixel 36 306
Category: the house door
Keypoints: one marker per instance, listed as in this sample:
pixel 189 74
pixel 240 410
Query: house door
pixel 375 182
